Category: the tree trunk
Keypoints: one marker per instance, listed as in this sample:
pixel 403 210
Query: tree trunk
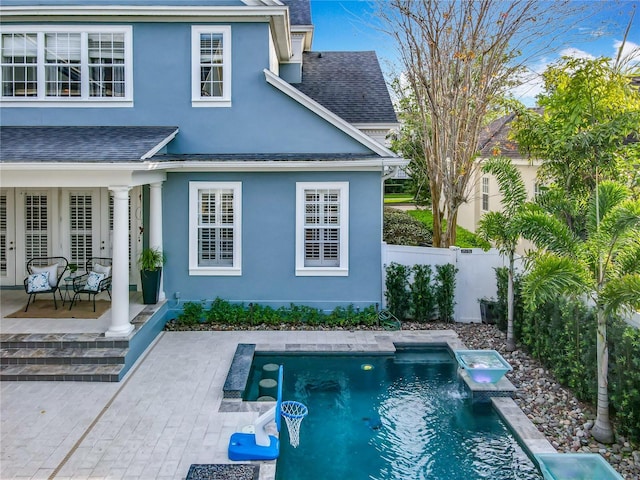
pixel 511 342
pixel 437 217
pixel 602 430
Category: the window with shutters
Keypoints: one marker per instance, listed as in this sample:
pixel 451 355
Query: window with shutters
pixel 485 193
pixel 215 211
pixel 3 234
pixel 322 229
pixel 36 239
pixel 66 64
pixel 211 66
pixel 81 228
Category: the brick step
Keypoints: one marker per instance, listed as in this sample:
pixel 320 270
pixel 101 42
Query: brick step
pixel 62 356
pixel 61 373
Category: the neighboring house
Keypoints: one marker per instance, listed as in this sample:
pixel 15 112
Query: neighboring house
pixel 204 127
pixel 485 195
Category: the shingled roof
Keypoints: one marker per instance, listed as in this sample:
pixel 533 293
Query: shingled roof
pixel 350 84
pixel 299 11
pixel 81 144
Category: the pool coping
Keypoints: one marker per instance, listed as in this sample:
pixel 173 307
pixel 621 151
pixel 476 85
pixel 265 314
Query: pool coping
pixel 499 394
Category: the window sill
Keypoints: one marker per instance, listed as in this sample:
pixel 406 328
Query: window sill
pixel 72 103
pixel 212 272
pixel 210 103
pixel 322 272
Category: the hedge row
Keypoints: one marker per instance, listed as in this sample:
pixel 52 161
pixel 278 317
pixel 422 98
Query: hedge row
pixel 562 335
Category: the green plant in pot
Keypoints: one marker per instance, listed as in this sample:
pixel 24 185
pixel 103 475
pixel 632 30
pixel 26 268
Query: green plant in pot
pixel 151 261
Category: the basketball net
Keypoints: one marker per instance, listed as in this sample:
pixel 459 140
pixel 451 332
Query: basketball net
pixel 293 413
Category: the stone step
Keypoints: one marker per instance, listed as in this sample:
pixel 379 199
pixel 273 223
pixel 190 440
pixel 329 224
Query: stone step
pixel 80 357
pixel 61 373
pixel 60 340
pixel 62 356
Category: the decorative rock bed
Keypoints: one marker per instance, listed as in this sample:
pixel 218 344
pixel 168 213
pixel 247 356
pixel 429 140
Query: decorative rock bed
pixel 223 472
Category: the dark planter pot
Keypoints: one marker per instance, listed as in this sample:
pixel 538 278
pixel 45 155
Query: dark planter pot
pixel 150 285
pixel 488 311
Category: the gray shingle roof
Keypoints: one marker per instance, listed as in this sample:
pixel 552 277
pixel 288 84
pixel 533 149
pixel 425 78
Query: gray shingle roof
pixel 299 11
pixel 79 144
pixel 350 84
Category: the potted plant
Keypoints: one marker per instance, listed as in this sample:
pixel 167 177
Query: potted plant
pixel 488 310
pixel 150 262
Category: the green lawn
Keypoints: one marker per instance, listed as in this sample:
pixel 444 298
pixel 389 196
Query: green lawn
pixel 464 238
pixel 390 198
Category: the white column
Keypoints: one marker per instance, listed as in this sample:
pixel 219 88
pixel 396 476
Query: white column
pixel 155 225
pixel 120 325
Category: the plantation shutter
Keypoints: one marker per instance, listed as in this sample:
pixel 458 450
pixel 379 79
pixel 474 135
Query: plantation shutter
pixel 322 228
pixel 36 214
pixel 81 227
pixel 3 235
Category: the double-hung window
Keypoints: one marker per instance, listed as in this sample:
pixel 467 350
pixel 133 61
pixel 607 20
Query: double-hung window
pixel 67 64
pixel 215 239
pixel 485 194
pixel 322 229
pixel 211 66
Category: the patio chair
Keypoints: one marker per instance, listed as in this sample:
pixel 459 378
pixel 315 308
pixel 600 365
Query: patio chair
pixel 96 280
pixel 44 276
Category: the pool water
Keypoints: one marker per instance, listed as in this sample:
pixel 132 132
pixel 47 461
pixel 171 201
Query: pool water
pixel 402 417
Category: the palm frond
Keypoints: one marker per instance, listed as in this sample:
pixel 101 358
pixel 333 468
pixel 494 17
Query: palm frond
pixel 546 231
pixel 551 275
pixel 622 219
pixel 610 195
pixel 628 258
pixel 621 294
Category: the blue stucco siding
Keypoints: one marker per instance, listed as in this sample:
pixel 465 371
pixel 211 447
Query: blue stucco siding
pixel 268 242
pixel 260 120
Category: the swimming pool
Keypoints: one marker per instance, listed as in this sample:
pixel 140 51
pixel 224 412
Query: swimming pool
pixel 400 417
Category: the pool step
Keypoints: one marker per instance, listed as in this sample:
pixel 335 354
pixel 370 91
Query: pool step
pixel 86 357
pixel 422 358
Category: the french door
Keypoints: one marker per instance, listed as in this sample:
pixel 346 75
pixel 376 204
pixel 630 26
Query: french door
pixel 74 223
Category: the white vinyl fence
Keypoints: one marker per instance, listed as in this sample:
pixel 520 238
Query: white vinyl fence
pixel 476 277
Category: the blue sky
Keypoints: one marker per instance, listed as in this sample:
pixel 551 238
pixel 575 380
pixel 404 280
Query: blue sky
pixel 348 25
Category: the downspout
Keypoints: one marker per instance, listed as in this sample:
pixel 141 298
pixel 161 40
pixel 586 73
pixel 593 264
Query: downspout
pixel 385 176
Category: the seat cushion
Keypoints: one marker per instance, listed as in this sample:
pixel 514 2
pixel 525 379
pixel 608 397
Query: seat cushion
pixel 93 281
pixel 38 282
pixel 53 273
pixel 102 269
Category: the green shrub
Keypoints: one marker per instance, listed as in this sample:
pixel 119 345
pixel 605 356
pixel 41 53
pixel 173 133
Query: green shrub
pixel 401 229
pixel 445 291
pixel 422 294
pixel 562 335
pixel 192 314
pixel 397 291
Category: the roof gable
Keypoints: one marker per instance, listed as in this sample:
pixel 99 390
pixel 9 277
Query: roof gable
pixel 350 84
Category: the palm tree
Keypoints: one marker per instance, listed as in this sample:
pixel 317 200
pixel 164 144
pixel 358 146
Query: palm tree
pixel 604 265
pixel 502 228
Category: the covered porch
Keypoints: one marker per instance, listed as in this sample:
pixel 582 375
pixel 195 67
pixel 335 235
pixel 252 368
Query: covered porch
pixel 79 193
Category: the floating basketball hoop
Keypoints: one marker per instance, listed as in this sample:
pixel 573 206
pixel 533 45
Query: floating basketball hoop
pixel 293 413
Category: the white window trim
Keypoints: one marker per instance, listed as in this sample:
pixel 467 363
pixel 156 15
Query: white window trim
pixel 194 269
pixel 485 194
pixel 41 100
pixel 196 99
pixel 343 269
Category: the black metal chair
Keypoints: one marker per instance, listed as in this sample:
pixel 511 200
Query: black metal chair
pixel 96 280
pixel 55 267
